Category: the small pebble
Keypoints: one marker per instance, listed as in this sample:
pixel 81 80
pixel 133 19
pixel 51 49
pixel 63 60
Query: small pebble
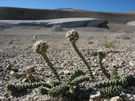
pixel 95 94
pixel 116 98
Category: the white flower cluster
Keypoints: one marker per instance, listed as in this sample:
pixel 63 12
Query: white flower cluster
pixel 40 47
pixel 72 35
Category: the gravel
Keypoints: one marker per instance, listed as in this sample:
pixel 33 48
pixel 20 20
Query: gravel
pixel 16 54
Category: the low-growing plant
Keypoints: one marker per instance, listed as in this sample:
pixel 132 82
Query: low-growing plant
pixel 27 75
pixel 71 87
pixel 101 56
pixel 68 87
pixel 41 47
pixel 19 87
pixel 114 87
pixel 115 83
pixel 108 44
pixel 73 36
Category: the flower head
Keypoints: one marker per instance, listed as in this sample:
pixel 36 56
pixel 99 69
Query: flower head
pixel 101 54
pixel 72 35
pixel 40 47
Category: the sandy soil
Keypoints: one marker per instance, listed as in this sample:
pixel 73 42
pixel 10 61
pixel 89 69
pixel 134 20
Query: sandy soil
pixel 16 52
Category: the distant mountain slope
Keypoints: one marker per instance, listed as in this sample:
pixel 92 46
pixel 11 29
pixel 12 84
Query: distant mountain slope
pixel 10 13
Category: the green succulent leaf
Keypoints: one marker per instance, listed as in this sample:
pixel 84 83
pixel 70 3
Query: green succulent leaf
pixel 58 90
pixel 75 74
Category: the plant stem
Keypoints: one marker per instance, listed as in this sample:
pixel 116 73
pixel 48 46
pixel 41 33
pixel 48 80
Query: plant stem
pixel 51 66
pixel 83 59
pixel 103 69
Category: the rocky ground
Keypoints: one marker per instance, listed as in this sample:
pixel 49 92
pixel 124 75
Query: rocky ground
pixel 16 54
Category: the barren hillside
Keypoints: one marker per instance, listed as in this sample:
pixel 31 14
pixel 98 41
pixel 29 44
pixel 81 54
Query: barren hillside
pixel 10 13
